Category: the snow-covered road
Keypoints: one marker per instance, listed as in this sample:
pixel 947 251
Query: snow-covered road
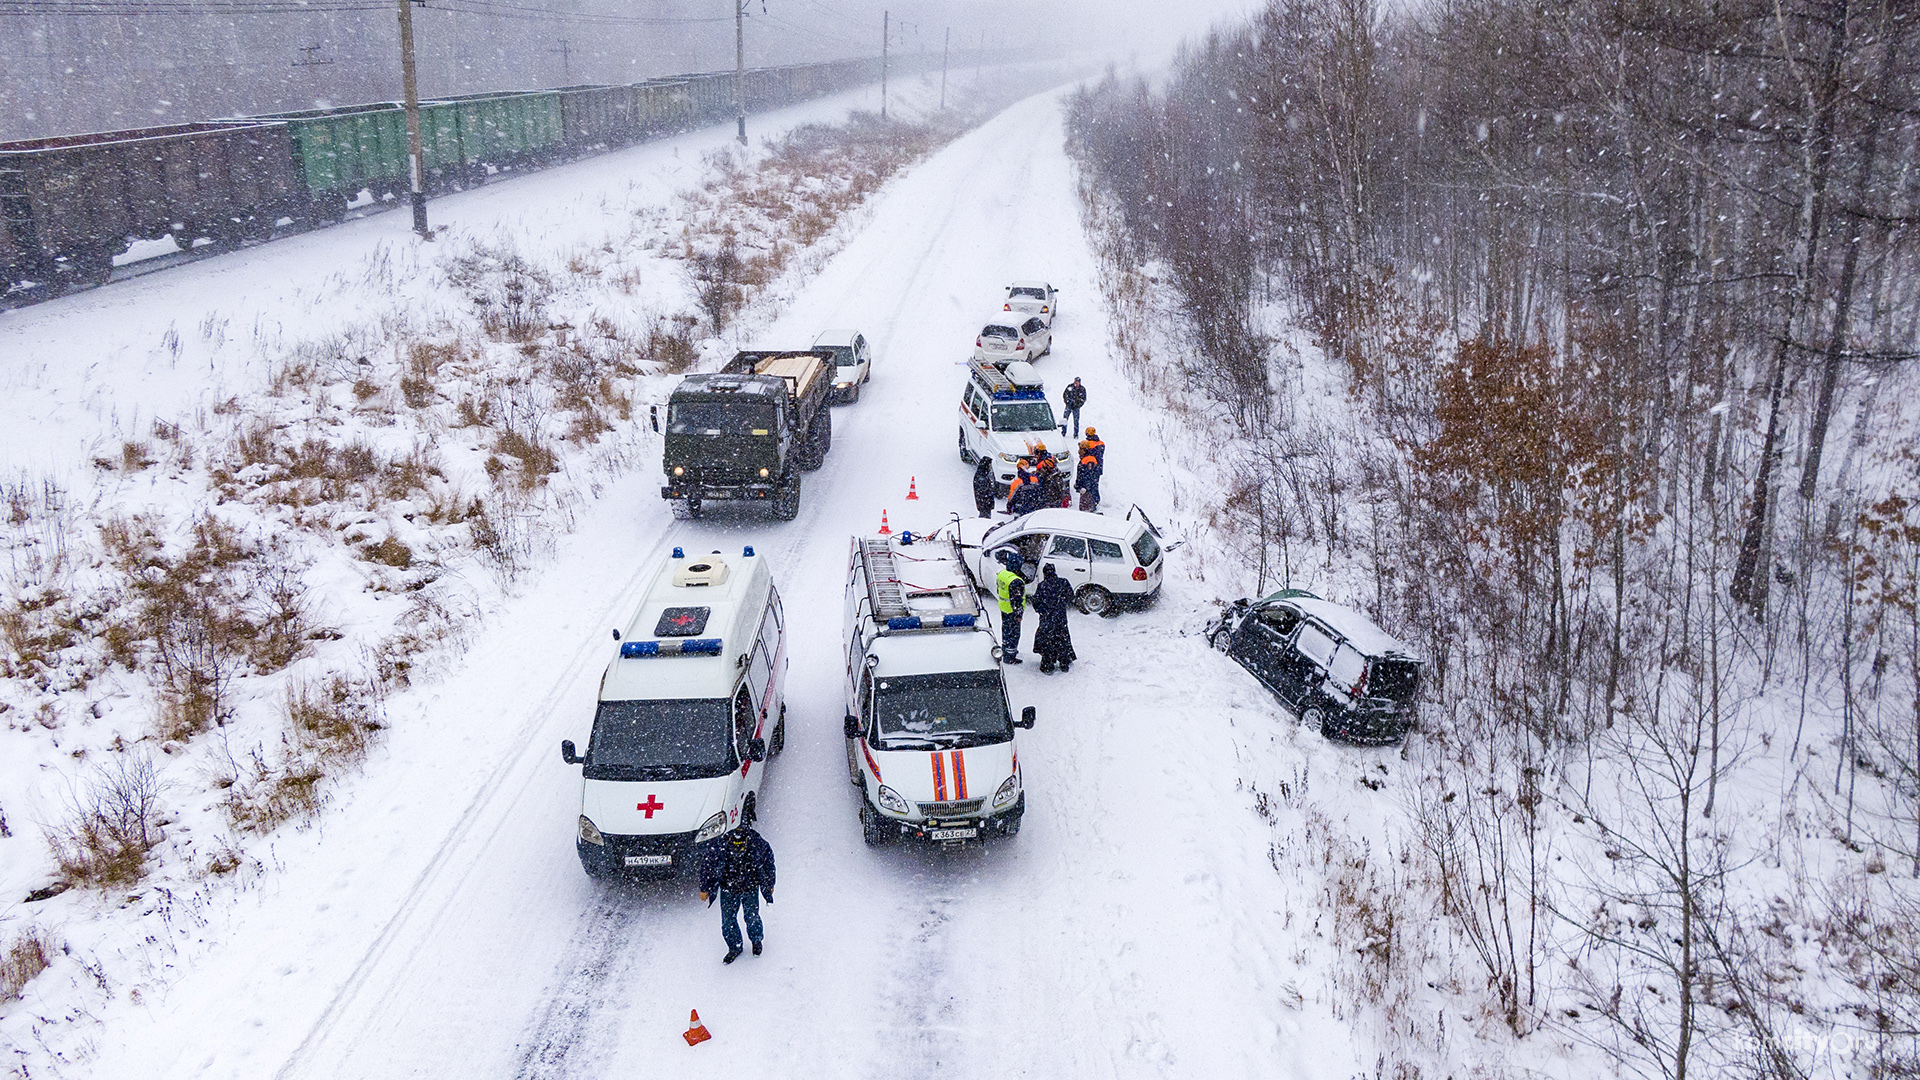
pixel 438 924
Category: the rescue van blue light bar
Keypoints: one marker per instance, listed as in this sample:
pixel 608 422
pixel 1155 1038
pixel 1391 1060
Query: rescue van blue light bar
pixel 634 650
pixel 912 622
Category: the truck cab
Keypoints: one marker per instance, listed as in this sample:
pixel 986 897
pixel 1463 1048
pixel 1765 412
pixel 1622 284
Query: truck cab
pixel 1005 416
pixel 930 733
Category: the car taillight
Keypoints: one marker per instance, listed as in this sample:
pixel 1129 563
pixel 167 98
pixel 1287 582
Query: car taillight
pixel 977 345
pixel 1139 573
pixel 1022 345
pixel 1006 307
pixel 1043 309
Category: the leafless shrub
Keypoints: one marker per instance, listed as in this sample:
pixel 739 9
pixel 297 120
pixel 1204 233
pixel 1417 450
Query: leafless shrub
pixel 508 292
pixel 110 828
pixel 473 412
pixel 536 458
pixel 135 455
pixel 391 551
pixel 671 344
pixel 26 956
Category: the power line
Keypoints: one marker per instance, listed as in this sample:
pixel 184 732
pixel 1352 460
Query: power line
pixel 490 8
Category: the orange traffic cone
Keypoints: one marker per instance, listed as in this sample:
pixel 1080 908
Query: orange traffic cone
pixel 913 492
pixel 697 1032
pixel 884 531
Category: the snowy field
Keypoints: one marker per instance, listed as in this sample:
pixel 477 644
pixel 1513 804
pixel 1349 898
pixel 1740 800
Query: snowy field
pixel 434 921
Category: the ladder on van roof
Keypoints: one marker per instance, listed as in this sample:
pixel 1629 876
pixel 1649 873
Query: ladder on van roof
pixel 893 598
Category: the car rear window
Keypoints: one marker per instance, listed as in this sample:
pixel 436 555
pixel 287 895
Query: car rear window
pixel 1346 666
pixel 1146 548
pixel 1025 293
pixel 993 330
pixel 1394 679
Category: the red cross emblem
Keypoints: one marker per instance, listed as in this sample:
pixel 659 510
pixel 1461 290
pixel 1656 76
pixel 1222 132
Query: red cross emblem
pixel 651 805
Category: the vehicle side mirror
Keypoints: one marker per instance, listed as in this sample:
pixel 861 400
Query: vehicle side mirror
pixel 567 752
pixel 852 726
pixel 1026 717
pixel 653 416
pixel 756 749
pixel 616 633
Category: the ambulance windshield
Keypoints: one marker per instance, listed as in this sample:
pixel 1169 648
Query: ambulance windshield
pixel 1023 416
pixel 943 711
pixel 661 740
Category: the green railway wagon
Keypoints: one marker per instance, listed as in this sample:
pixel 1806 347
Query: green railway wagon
pixel 498 131
pixel 599 116
pixel 666 105
pixel 340 152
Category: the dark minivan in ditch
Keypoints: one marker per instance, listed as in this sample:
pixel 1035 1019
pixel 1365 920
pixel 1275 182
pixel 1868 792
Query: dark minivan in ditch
pixel 1330 664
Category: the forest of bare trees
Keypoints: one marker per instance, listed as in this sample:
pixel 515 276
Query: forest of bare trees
pixel 1627 301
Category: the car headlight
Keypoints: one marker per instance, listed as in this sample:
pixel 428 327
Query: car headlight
pixel 763 474
pixel 1007 792
pixel 843 385
pixel 679 471
pixel 590 833
pixel 711 828
pixel 1011 459
pixel 891 800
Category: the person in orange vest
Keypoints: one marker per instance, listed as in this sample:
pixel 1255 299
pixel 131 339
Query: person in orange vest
pixel 1087 479
pixel 1024 496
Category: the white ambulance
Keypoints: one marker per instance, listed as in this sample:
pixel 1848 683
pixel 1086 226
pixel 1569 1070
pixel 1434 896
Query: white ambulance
pixel 930 736
pixel 690 709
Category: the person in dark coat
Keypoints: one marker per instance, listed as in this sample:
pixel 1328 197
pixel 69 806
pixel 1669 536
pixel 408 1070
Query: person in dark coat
pixel 1051 638
pixel 1074 397
pixel 738 869
pixel 1087 478
pixel 1028 496
pixel 1058 489
pixel 986 487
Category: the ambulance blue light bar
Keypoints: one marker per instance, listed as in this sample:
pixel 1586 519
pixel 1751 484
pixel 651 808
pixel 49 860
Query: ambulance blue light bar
pixel 1020 395
pixel 957 620
pixel 634 650
pixel 913 622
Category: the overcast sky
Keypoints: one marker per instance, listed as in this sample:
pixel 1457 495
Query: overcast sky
pixel 126 64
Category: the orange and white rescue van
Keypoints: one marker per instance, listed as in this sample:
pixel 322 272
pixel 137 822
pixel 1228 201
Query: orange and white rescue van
pixel 691 707
pixel 930 735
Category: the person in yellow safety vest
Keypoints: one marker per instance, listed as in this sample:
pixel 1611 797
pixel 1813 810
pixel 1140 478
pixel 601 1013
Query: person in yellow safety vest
pixel 1011 588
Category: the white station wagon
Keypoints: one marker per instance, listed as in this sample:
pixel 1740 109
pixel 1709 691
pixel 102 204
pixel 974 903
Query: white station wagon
pixel 1033 298
pixel 1013 335
pixel 1110 562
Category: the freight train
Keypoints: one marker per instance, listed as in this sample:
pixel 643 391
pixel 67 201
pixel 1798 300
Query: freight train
pixel 70 204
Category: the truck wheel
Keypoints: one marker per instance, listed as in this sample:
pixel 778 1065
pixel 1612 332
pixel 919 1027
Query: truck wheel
pixel 1315 718
pixel 1094 600
pixel 967 457
pixel 786 500
pixel 822 440
pixel 873 827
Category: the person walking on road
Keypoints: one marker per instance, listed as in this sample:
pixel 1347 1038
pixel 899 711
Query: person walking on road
pixel 738 870
pixel 1074 397
pixel 1051 638
pixel 1011 588
pixel 985 487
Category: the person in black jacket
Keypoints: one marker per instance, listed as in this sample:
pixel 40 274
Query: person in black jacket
pixel 738 869
pixel 1051 638
pixel 986 487
pixel 1074 397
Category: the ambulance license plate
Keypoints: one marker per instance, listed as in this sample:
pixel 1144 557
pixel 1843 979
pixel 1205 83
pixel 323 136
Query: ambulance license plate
pixel 952 834
pixel 649 860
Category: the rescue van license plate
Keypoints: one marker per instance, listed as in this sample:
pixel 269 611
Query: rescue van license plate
pixel 952 834
pixel 649 860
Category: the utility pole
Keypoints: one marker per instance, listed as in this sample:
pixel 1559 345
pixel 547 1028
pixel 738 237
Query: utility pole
pixel 740 64
pixel 566 62
pixel 885 32
pixel 418 164
pixel 944 50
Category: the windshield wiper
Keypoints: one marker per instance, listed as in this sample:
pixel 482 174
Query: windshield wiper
pixel 892 742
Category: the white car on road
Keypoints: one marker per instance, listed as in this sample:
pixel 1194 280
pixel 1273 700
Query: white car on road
pixel 852 362
pixel 1005 416
pixel 1110 562
pixel 1013 335
pixel 1033 298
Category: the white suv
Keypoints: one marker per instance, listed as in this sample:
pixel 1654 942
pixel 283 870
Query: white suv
pixel 1110 562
